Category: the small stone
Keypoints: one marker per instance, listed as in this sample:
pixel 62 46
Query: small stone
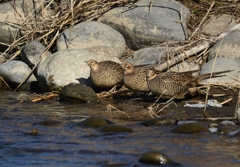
pixel 48 123
pixel 155 158
pixel 33 132
pixel 226 129
pixel 116 128
pixel 80 93
pixel 190 128
pixel 158 121
pixel 95 122
pixel 227 123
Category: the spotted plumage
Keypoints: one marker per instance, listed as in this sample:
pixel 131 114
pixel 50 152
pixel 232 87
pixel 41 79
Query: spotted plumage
pixel 105 74
pixel 175 84
pixel 135 77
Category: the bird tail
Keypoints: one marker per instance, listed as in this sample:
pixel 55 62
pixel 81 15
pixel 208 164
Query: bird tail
pixel 213 75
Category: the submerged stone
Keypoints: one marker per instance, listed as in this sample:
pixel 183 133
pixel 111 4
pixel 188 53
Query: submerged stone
pixel 156 158
pixel 226 129
pixel 33 132
pixel 116 128
pixel 48 123
pixel 190 128
pixel 95 122
pixel 79 92
pixel 158 121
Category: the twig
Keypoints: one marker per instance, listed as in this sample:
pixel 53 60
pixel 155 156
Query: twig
pixel 202 21
pixel 5 83
pixel 208 87
pixel 110 107
pixel 42 56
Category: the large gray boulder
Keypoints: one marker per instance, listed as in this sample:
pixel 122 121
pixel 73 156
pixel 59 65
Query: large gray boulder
pixel 13 13
pixel 221 64
pixel 66 66
pixel 218 24
pixel 228 47
pixel 93 36
pixel 31 54
pixel 156 55
pixel 14 72
pixel 141 27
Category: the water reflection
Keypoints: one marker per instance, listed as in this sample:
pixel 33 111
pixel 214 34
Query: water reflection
pixel 60 144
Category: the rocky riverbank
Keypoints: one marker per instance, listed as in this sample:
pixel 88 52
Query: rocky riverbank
pixel 46 50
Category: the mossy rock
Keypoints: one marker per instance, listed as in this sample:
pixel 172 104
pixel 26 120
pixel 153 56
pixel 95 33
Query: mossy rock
pixel 33 132
pixel 48 123
pixel 95 122
pixel 116 128
pixel 190 128
pixel 158 121
pixel 226 129
pixel 156 158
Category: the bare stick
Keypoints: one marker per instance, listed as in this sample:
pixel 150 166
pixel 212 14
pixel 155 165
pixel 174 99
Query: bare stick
pixel 202 21
pixel 42 56
pixel 196 49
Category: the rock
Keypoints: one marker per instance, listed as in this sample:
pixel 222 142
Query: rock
pixel 33 132
pixel 141 27
pixel 15 12
pixel 31 53
pixel 227 123
pixel 95 122
pixel 222 64
pixel 67 66
pixel 228 47
pixel 226 129
pixel 29 86
pixel 116 128
pixel 218 24
pixel 190 128
pixel 1 83
pixel 14 72
pixel 95 37
pixel 48 123
pixel 156 158
pixel 185 66
pixel 79 92
pixel 158 121
pixel 147 56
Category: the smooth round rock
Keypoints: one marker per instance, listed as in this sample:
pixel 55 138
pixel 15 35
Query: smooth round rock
pixel 79 92
pixel 141 27
pixel 155 158
pixel 95 37
pixel 226 129
pixel 95 122
pixel 67 66
pixel 1 84
pixel 228 47
pixel 48 123
pixel 14 72
pixel 116 128
pixel 158 121
pixel 222 64
pixel 190 128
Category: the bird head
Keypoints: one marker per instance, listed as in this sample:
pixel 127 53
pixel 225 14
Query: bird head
pixel 151 74
pixel 93 64
pixel 128 67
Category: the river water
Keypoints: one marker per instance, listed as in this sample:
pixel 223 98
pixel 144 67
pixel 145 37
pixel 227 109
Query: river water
pixel 58 143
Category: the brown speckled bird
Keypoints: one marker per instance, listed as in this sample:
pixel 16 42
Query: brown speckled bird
pixel 135 77
pixel 175 84
pixel 105 74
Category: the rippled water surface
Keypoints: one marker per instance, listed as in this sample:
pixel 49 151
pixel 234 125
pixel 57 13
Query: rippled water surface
pixel 62 144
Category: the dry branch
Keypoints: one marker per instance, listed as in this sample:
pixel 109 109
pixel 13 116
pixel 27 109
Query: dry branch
pixel 205 44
